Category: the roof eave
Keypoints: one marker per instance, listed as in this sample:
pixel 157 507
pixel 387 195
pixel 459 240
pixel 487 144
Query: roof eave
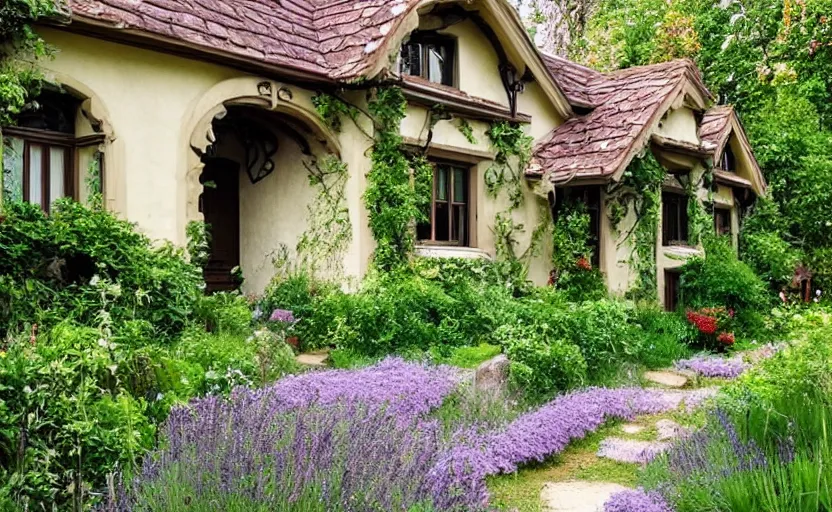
pixel 92 27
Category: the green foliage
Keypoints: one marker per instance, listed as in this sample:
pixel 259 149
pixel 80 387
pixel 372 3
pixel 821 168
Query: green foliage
pixel 640 192
pixel 330 231
pixel 224 313
pixel 514 151
pixel 390 198
pixel 333 109
pixel 571 254
pixel 55 268
pixel 466 130
pixel 720 279
pixel 765 249
pixel 471 357
pixel 665 337
pixel 19 79
pixel 313 302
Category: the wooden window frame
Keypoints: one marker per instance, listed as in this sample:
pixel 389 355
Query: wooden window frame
pixel 682 227
pixel 425 39
pixel 729 159
pixel 465 240
pixel 718 211
pixel 49 140
pixel 672 289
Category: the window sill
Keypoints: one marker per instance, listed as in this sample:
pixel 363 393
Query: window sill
pixel 450 251
pixel 681 251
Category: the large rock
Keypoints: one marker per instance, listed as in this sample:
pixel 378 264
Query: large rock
pixel 668 430
pixel 667 378
pixel 492 375
pixel 577 496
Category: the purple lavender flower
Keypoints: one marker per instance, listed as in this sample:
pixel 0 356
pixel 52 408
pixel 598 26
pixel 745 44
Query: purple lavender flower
pixel 714 366
pixel 282 316
pixel 637 501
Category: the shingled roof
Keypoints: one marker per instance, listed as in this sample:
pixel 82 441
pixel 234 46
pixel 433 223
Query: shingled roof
pixel 625 104
pixel 327 38
pixel 716 126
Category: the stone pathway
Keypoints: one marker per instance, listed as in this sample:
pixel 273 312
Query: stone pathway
pixel 667 378
pixel 577 496
pixel 313 359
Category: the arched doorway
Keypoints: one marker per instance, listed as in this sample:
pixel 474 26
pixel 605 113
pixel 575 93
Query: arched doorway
pixel 220 204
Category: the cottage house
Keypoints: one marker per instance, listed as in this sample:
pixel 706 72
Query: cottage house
pixel 191 110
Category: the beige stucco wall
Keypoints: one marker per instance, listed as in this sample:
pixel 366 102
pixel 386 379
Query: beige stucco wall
pixel 679 124
pixel 477 63
pixel 147 96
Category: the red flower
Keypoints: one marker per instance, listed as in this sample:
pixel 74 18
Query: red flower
pixel 583 264
pixel 704 323
pixel 726 338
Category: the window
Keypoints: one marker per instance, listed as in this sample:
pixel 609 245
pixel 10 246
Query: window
pixel 672 289
pixel 722 221
pixel 430 56
pixel 449 216
pixel 729 161
pixel 39 153
pixel 674 219
pixel 591 197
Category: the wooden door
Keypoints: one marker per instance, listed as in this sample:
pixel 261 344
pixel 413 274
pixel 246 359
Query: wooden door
pixel 220 203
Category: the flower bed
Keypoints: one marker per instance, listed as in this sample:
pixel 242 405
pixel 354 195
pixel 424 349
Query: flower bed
pixel 712 366
pixel 637 501
pixel 547 431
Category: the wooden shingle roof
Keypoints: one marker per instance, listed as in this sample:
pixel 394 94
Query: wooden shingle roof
pixel 327 38
pixel 625 104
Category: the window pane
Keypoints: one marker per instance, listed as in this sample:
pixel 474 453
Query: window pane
pixel 12 169
pixel 36 174
pixel 57 166
pixel 460 224
pixel 460 186
pixel 442 184
pixel 441 222
pixel 436 63
pixel 412 59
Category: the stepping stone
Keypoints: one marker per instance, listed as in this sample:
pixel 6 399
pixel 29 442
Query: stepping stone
pixel 577 496
pixel 630 451
pixel 632 429
pixel 667 378
pixel 669 430
pixel 316 359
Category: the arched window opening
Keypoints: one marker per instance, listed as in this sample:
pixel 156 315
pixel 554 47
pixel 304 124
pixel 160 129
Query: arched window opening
pixel 41 152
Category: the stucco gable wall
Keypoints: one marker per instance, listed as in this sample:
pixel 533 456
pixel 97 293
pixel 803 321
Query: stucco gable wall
pixel 679 124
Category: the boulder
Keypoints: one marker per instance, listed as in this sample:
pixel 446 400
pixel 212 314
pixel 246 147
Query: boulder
pixel 492 375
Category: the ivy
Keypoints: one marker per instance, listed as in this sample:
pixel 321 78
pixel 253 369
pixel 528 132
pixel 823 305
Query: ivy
pixel 19 46
pixel 466 130
pixel 700 223
pixel 333 109
pixel 391 198
pixel 511 144
pixel 330 231
pixel 640 192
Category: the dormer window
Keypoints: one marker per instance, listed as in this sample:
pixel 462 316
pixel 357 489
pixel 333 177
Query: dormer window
pixel 431 56
pixel 729 162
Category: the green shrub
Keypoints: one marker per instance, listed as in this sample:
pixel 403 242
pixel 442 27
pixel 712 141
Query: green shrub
pixel 665 337
pixel 539 365
pixel 77 261
pixel 720 279
pixel 65 420
pixel 226 313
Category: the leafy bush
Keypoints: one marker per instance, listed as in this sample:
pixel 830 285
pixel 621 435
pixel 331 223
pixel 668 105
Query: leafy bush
pixel 541 365
pixel 227 313
pixel 52 269
pixel 664 336
pixel 719 279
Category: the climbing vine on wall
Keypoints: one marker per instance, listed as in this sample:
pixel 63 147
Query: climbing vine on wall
pixel 19 46
pixel 513 150
pixel 700 222
pixel 639 192
pixel 322 245
pixel 391 197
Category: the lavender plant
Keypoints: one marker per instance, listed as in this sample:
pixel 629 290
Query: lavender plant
pixel 637 501
pixel 714 366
